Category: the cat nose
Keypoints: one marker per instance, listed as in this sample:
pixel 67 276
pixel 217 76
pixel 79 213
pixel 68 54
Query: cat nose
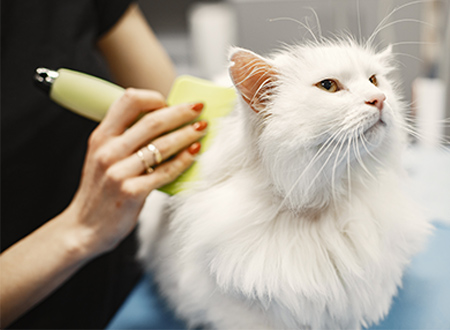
pixel 377 101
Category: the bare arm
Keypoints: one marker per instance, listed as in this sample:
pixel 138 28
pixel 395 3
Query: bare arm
pixel 36 266
pixel 135 56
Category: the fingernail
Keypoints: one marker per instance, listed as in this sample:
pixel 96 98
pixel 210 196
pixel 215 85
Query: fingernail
pixel 200 125
pixel 197 106
pixel 194 148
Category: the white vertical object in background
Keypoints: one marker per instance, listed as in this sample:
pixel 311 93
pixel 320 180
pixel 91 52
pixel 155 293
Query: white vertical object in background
pixel 213 31
pixel 429 93
pixel 429 101
pixel 445 60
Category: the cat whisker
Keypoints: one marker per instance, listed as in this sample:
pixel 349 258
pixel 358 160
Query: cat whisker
pixel 380 27
pixel 441 145
pixel 349 167
pixel 317 21
pixel 411 118
pixel 407 123
pixel 319 135
pixel 325 146
pixel 402 21
pixel 323 134
pixel 359 158
pixel 413 132
pixel 333 173
pixel 358 18
pixel 298 22
pixel 412 43
pixel 441 122
pixel 409 105
pixel 363 142
pixel 339 143
pixel 408 55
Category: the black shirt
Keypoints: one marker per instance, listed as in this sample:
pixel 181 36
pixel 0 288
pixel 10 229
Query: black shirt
pixel 43 148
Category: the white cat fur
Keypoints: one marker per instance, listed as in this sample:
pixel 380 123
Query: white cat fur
pixel 245 248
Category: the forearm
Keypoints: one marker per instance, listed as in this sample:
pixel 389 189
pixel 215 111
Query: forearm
pixel 35 266
pixel 135 56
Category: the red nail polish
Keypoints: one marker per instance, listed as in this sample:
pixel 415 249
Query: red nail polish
pixel 197 106
pixel 200 125
pixel 194 148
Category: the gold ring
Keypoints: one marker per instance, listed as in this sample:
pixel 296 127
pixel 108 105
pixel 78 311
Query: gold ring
pixel 147 167
pixel 157 157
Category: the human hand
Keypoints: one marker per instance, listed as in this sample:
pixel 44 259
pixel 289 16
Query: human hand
pixel 115 181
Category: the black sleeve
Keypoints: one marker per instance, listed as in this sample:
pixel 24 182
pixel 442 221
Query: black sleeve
pixel 109 12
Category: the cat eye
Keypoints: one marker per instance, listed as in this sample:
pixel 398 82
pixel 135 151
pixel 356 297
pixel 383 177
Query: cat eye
pixel 373 80
pixel 328 85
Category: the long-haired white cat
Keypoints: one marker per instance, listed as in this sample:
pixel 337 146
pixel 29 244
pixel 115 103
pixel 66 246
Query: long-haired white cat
pixel 299 219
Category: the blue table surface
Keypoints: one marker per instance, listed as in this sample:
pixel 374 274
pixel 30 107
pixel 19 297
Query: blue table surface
pixel 422 303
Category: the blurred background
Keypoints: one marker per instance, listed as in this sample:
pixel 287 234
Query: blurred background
pixel 198 34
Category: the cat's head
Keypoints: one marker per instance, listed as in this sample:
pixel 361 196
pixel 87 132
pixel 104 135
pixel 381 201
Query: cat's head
pixel 320 113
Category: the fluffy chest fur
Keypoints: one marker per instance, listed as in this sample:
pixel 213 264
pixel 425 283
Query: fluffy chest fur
pixel 299 220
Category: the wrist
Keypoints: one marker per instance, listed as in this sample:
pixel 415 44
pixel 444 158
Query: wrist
pixel 77 240
pixel 84 240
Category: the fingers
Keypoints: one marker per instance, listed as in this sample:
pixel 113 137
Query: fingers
pixel 126 110
pixel 164 173
pixel 116 140
pixel 167 145
pixel 119 147
pixel 156 123
pixel 171 143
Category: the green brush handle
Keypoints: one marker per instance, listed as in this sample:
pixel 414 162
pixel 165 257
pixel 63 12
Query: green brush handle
pixel 85 95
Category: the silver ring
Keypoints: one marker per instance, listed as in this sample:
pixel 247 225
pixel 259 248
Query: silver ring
pixel 157 157
pixel 147 167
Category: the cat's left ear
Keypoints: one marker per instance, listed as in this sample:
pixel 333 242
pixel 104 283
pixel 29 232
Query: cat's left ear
pixel 253 77
pixel 386 54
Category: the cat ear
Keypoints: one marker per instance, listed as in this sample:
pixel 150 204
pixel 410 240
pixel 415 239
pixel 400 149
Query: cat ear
pixel 386 54
pixel 253 77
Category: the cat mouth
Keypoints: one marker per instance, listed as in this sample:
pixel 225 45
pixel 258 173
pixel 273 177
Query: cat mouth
pixel 377 125
pixel 370 133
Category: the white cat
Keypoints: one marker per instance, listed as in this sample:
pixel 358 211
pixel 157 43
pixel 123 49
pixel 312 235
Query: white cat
pixel 299 219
